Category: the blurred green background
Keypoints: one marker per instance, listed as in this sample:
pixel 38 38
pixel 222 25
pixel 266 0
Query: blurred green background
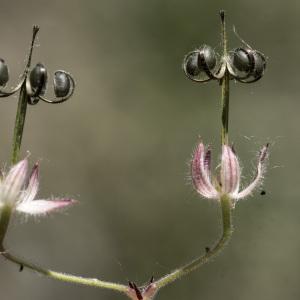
pixel 122 143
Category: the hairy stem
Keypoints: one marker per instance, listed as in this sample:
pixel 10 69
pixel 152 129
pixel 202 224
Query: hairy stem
pixel 224 84
pixel 18 133
pixel 226 206
pixel 65 277
pixel 19 124
pixel 225 108
pixel 22 106
pixel 4 222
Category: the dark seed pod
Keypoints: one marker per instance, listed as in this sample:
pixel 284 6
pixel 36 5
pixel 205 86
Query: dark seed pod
pixel 260 63
pixel 38 79
pixel 3 73
pixel 207 58
pixel 242 60
pixel 199 65
pixel 248 65
pixel 62 84
pixel 191 64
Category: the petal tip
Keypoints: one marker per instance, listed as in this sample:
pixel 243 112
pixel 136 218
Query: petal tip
pixel 44 207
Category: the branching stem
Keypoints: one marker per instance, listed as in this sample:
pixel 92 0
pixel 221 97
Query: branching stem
pixel 226 206
pixel 65 277
pixel 225 201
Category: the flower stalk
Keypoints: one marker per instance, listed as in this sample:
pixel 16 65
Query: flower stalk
pixel 225 200
pixel 22 106
pixel 4 222
pixel 93 282
pixel 18 134
pixel 19 124
pixel 225 85
pixel 226 208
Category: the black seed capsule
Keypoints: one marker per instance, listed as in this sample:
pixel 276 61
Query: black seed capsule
pixel 61 84
pixel 3 73
pixel 259 63
pixel 207 57
pixel 38 79
pixel 241 60
pixel 191 64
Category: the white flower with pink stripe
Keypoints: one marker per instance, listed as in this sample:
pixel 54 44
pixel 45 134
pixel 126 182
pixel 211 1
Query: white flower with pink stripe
pixel 228 181
pixel 19 190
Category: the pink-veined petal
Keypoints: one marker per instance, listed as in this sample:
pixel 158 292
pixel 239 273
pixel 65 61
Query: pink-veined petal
pixel 207 161
pixel 262 157
pixel 230 170
pixel 200 169
pixel 33 184
pixel 205 164
pixel 14 181
pixel 42 207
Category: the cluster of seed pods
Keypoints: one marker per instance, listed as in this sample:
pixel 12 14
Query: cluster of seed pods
pixel 36 83
pixel 243 64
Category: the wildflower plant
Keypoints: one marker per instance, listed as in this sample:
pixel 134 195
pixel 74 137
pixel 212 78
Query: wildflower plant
pixel 18 188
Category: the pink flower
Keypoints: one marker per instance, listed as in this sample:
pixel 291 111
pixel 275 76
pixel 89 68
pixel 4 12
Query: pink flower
pixel 19 191
pixel 228 182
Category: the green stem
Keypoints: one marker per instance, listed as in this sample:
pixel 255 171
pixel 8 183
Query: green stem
pixel 226 206
pixel 225 108
pixel 19 123
pixel 18 133
pixel 66 277
pixel 22 106
pixel 4 222
pixel 224 84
